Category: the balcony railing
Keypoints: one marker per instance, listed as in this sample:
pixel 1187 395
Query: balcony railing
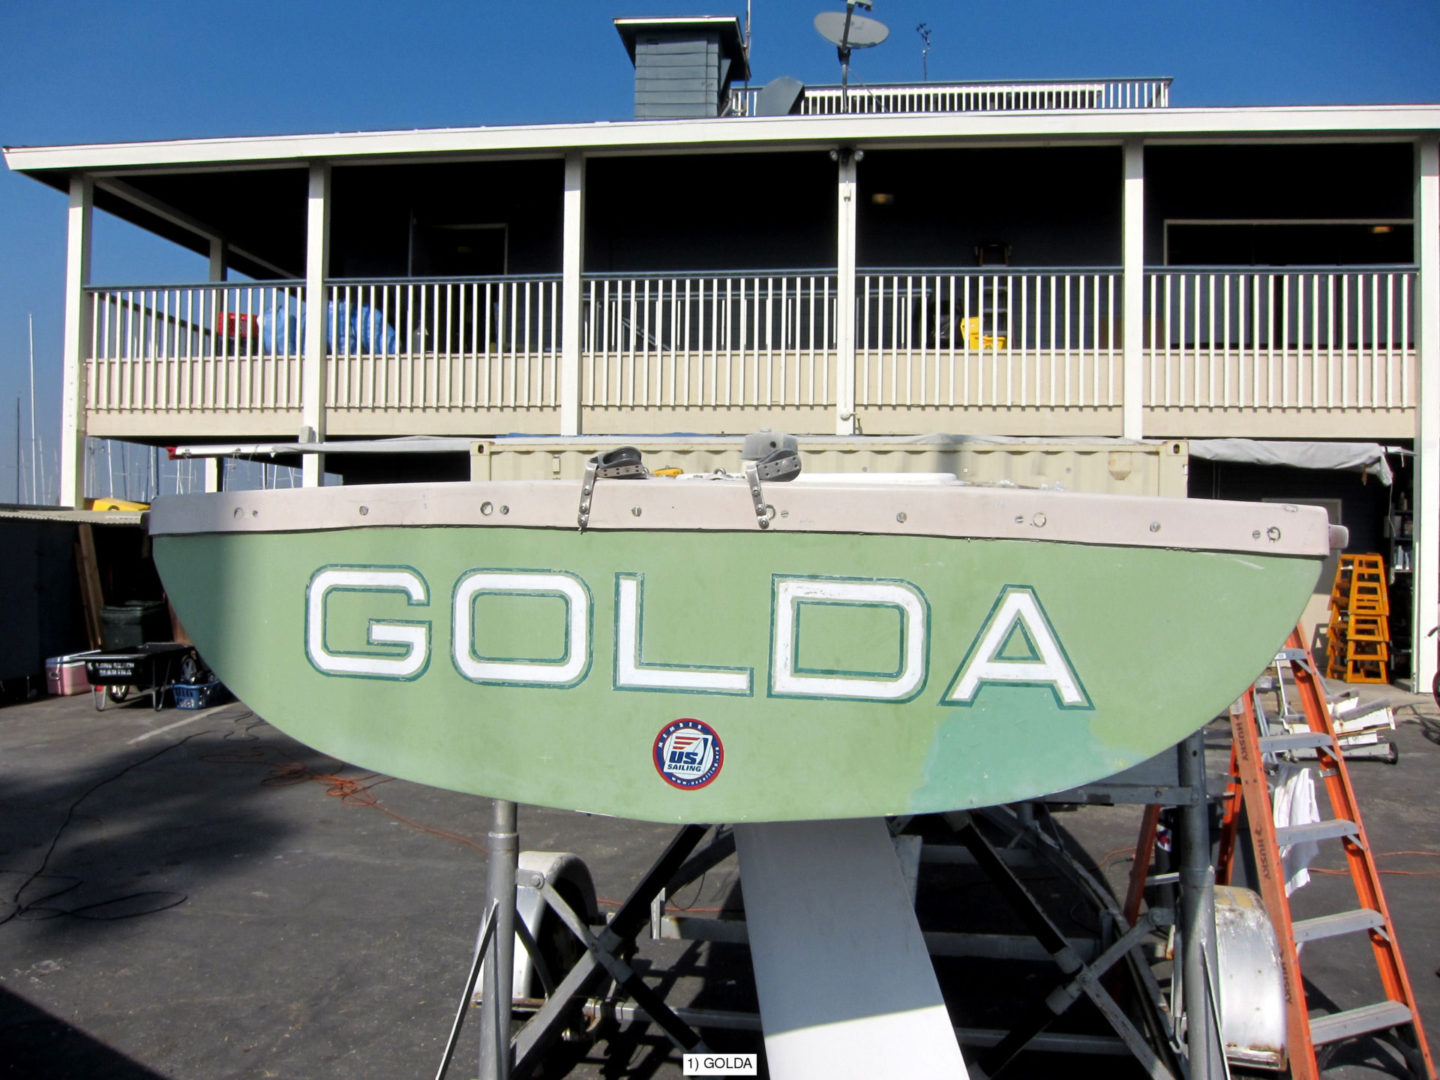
pixel 1318 338
pixel 412 344
pixel 1065 95
pixel 190 348
pixel 720 340
pixel 1297 339
pixel 1006 338
pixel 480 343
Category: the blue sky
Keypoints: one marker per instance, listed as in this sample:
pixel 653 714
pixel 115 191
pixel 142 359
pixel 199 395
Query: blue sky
pixel 82 71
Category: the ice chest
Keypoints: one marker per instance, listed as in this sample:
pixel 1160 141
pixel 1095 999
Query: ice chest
pixel 65 676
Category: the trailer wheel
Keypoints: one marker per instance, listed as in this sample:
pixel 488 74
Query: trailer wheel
pixel 117 694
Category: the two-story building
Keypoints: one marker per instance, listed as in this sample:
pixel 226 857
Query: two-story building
pixel 1030 259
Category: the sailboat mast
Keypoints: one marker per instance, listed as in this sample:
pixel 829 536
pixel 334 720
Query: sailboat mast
pixel 34 456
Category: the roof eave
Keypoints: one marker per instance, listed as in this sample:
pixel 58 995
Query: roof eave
pixel 731 133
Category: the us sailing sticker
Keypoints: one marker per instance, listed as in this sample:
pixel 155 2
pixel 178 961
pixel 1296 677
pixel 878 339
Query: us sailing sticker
pixel 688 754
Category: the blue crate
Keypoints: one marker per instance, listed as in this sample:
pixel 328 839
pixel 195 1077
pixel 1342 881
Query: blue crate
pixel 200 696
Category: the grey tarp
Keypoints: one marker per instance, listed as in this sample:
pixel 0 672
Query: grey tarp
pixel 1360 456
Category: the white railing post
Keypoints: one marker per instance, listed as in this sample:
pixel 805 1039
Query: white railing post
pixel 312 379
pixel 845 295
pixel 1132 382
pixel 571 296
pixel 77 342
pixel 1426 590
pixel 213 472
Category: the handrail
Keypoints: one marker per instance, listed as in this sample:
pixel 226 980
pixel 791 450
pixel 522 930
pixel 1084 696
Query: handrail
pixel 1244 337
pixel 1010 95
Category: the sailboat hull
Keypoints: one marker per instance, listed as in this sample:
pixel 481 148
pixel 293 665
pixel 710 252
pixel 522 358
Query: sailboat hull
pixel 740 674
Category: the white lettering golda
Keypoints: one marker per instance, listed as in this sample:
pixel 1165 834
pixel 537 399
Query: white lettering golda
pixel 1017 608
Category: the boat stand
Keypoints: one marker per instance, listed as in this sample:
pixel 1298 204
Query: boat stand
pixel 827 1022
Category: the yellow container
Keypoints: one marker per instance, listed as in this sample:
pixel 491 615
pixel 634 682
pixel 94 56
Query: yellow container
pixel 977 340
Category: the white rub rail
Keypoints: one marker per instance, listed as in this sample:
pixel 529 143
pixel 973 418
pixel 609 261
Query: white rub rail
pixel 1212 338
pixel 1065 95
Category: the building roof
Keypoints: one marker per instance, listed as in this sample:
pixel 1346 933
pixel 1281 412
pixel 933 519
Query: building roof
pixel 726 134
pixel 136 180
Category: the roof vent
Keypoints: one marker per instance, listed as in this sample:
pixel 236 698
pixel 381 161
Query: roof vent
pixel 684 66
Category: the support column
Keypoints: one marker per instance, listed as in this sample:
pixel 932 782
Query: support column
pixel 497 978
pixel 1197 916
pixel 571 294
pixel 312 377
pixel 219 252
pixel 1426 581
pixel 1132 333
pixel 77 343
pixel 845 423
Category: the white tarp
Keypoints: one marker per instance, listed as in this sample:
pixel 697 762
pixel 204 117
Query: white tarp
pixel 1360 456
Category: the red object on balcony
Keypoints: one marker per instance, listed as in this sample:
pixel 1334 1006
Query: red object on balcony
pixel 242 326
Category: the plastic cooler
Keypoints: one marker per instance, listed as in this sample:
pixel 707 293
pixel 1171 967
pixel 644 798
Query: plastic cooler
pixel 65 676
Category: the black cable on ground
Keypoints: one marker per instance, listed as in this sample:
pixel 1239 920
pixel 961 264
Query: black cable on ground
pixel 40 907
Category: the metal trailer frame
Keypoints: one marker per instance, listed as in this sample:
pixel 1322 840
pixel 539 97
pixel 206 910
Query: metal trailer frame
pixel 1171 1040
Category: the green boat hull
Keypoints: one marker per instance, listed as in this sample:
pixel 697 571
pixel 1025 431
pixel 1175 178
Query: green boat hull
pixel 730 676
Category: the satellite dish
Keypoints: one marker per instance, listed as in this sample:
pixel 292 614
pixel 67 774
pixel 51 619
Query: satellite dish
pixel 846 31
pixel 850 31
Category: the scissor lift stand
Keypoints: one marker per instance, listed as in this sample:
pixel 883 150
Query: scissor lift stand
pixel 842 968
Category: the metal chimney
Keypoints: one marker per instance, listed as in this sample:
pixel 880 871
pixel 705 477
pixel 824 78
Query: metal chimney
pixel 684 65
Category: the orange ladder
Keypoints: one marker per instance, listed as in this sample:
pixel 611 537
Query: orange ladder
pixel 1359 630
pixel 1248 786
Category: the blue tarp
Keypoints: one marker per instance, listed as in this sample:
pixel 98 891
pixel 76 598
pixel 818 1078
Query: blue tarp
pixel 358 328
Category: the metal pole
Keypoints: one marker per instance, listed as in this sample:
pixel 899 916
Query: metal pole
pixel 34 458
pixel 1197 908
pixel 499 973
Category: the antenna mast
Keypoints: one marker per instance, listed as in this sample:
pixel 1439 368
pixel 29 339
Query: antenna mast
pixel 847 31
pixel 924 31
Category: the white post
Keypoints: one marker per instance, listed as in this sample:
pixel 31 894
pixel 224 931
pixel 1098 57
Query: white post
pixel 845 422
pixel 571 296
pixel 1132 331
pixel 312 379
pixel 218 272
pixel 77 342
pixel 1426 581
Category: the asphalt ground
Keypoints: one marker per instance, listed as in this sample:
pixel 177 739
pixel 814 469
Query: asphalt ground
pixel 195 895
